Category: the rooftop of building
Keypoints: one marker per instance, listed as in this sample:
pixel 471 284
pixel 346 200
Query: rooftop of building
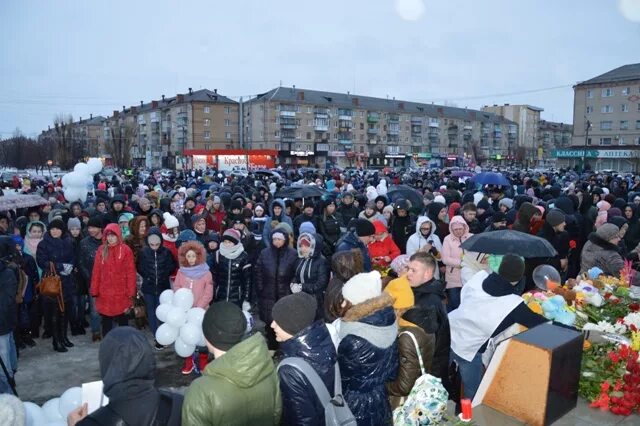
pixel 531 107
pixel 202 95
pixel 349 101
pixel 552 125
pixel 624 73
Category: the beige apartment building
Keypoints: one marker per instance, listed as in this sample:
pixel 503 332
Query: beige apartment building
pixel 606 119
pixel 165 132
pixel 528 118
pixel 85 137
pixel 310 127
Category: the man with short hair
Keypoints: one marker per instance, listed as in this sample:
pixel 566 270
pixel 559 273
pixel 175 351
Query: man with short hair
pixel 469 212
pixel 240 386
pixel 88 249
pixel 359 238
pixel 347 210
pixel 430 299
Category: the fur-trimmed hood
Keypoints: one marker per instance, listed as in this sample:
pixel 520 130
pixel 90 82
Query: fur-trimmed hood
pixel 197 247
pixel 368 307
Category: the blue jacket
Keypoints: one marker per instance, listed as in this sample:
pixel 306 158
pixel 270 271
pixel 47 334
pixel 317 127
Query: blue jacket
pixel 351 241
pixel 368 357
pixel 300 404
pixel 59 251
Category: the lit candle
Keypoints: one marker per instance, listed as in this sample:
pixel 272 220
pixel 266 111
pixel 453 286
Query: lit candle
pixel 466 409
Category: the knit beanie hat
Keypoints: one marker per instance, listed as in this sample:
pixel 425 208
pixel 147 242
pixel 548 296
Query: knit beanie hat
pixel 370 205
pixel 379 227
pixel 224 325
pixel 154 239
pixel 507 202
pixel 307 227
pixel 231 235
pixel 96 222
pixel 295 312
pixel 555 217
pixel 125 217
pixel 216 199
pixel 170 221
pixel 362 287
pixel 511 268
pixel 607 232
pixel 499 217
pixel 57 223
pixel 364 228
pixel 439 199
pixel 74 223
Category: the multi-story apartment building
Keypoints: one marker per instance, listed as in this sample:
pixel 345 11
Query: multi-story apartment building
pixel 606 120
pixel 165 132
pixel 527 118
pixel 553 136
pixel 84 138
pixel 310 127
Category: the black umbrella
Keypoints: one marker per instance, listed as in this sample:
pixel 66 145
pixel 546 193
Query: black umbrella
pixel 509 242
pixel 305 191
pixel 405 192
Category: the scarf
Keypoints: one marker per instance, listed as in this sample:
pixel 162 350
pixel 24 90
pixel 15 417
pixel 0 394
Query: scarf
pixel 31 245
pixel 233 252
pixel 195 272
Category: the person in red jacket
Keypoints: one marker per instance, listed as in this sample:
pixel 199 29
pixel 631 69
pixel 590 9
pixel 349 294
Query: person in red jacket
pixel 113 280
pixel 215 215
pixel 383 249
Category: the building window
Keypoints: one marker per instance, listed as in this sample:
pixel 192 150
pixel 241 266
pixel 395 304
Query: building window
pixel 607 92
pixel 207 110
pixel 308 136
pixel 309 123
pixel 606 109
pixel 637 124
pixel 261 135
pixel 626 90
pixel 589 141
pixel 276 133
pixel 621 141
pixel 589 93
pixel 624 125
pixel 227 110
pixel 277 147
pixel 606 125
pixel 605 141
pixel 624 108
pixel 298 135
pixel 227 122
pixel 206 122
pixel 335 136
pixel 361 137
pixel 361 148
pixel 589 109
pixel 277 120
pixel 638 107
pixel 207 135
pixel 361 126
pixel 227 135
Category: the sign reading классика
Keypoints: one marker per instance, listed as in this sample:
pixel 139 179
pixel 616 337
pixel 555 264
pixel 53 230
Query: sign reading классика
pixel 595 153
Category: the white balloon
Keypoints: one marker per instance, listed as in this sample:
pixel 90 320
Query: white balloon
pixel 176 316
pixel 166 334
pixel 183 298
pixel 81 168
pixel 64 180
pixel 75 179
pixel 51 409
pixel 410 10
pixel 202 341
pixel 190 333
pixel 35 414
pixel 162 310
pixel 57 423
pixel 94 165
pixel 70 400
pixel 183 349
pixel 195 315
pixel 166 296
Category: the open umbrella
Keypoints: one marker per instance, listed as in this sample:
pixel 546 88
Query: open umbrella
pixel 12 200
pixel 406 192
pixel 490 178
pixel 305 191
pixel 509 242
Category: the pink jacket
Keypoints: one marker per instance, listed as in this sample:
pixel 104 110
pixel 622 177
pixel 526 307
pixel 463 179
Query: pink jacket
pixel 201 287
pixel 452 253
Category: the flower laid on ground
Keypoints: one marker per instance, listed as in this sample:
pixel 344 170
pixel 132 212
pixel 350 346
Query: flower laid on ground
pixel 606 327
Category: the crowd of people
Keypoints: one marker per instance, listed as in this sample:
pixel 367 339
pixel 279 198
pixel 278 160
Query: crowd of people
pixel 363 277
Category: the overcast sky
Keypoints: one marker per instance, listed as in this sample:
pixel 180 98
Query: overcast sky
pixel 83 57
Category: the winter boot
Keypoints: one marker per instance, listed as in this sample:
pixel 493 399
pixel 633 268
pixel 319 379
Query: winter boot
pixel 58 346
pixel 26 338
pixel 203 360
pixel 187 368
pixel 96 337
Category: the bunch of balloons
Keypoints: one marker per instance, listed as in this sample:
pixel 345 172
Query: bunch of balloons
pixel 54 412
pixel 79 182
pixel 182 323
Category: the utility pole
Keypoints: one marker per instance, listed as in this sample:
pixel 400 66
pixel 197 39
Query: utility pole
pixel 587 125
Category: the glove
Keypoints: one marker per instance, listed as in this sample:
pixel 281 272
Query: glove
pixel 67 268
pixel 296 288
pixel 246 306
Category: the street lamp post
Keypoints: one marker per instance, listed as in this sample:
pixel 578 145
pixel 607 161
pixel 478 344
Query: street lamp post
pixel 587 126
pixel 49 164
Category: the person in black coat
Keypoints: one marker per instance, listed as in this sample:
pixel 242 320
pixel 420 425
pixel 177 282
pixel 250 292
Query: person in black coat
pixel 116 209
pixel 155 265
pixel 347 210
pixel 430 311
pixel 306 216
pixel 273 275
pixel 56 249
pixel 87 256
pixel 312 271
pixel 299 336
pixel 329 224
pixel 232 271
pixel 8 310
pixel 128 370
pixel 403 225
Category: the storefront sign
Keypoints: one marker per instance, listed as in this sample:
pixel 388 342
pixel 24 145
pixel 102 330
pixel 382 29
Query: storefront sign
pixel 200 162
pixel 426 155
pixel 301 153
pixel 337 154
pixel 394 156
pixel 322 147
pixel 228 162
pixel 261 162
pixel 566 153
pixel 610 153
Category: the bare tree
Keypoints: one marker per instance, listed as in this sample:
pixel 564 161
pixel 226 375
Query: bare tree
pixel 21 152
pixel 121 138
pixel 63 125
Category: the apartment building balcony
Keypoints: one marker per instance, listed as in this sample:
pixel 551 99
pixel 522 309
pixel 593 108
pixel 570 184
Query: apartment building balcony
pixel 372 142
pixel 468 127
pixel 393 132
pixel 416 141
pixel 345 142
pixel 321 127
pixel 321 112
pixel 512 129
pixel 416 120
pixel 511 137
pixel 288 124
pixel 484 141
pixel 373 117
pixel 434 122
pixel 434 133
pixel 345 114
pixel 393 118
pixel 393 138
pixel 452 132
pixel 287 139
pixel 373 131
pixel 287 113
pixel 466 136
pixel 416 130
